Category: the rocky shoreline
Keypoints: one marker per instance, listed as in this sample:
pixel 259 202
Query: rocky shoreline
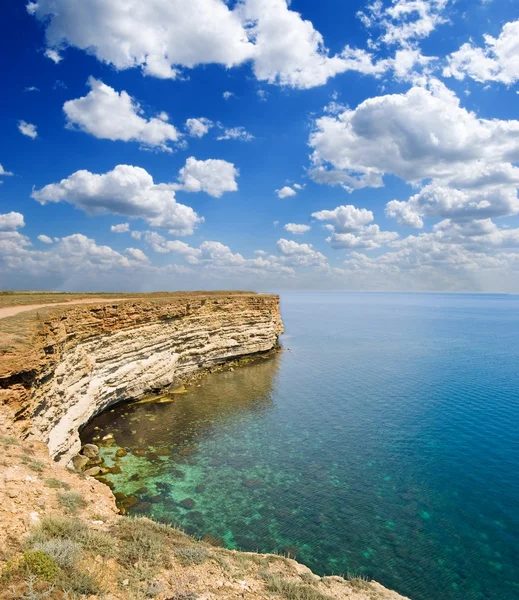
pixel 61 531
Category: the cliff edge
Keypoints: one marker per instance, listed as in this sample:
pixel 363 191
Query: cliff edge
pixel 60 534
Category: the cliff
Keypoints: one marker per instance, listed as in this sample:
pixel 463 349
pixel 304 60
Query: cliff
pixel 60 534
pixel 82 359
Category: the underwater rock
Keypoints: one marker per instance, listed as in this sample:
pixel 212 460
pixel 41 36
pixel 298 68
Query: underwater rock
pixel 252 483
pixel 92 472
pixel 139 452
pixel 200 488
pixel 115 470
pixel 187 503
pixel 79 462
pixel 121 452
pixel 90 450
pixel 95 461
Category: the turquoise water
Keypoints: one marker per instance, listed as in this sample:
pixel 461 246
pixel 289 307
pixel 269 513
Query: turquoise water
pixel 382 441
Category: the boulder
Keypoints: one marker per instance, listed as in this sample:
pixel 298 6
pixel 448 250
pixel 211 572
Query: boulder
pixel 80 462
pixel 90 450
pixel 93 471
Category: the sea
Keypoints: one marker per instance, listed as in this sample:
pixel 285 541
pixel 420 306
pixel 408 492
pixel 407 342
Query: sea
pixel 382 442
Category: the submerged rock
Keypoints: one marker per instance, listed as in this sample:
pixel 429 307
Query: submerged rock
pixel 252 483
pixel 121 452
pixel 187 503
pixel 80 462
pixel 90 450
pixel 93 471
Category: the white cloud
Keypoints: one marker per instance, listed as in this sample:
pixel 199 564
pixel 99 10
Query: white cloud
pixel 45 239
pixel 28 129
pixel 303 255
pixel 4 173
pixel 128 191
pixel 403 22
pixel 345 218
pixel 198 127
pixel 31 88
pixel 236 133
pixel 421 134
pixel 213 176
pixel 434 201
pixel 120 228
pixel 350 228
pixel 226 95
pixel 11 221
pixel 137 254
pixel 108 114
pixel 498 60
pixel 296 228
pixel 54 55
pixel 163 37
pixel 285 192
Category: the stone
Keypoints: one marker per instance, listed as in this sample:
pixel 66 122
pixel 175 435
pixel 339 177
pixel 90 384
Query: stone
pixel 187 503
pixel 80 462
pixel 252 483
pixel 121 452
pixel 90 450
pixel 92 472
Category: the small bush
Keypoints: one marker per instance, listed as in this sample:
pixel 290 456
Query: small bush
pixel 63 551
pixel 142 540
pixel 71 501
pixel 192 555
pixel 56 483
pixel 40 564
pixel 293 590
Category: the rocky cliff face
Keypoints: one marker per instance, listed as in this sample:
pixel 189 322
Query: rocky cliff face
pixel 86 358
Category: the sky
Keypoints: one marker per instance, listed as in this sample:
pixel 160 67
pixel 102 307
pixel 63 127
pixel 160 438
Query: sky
pixel 259 144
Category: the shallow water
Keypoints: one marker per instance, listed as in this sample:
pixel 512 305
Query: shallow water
pixel 383 441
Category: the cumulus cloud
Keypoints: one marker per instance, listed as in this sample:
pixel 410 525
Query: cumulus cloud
pixel 296 228
pixel 403 22
pixel 236 133
pixel 45 239
pixel 198 127
pixel 213 176
pixel 163 37
pixel 302 255
pixel 434 201
pixel 350 228
pixel 28 129
pixel 137 254
pixel 4 173
pixel 126 190
pixel 421 134
pixel 11 221
pixel 497 60
pixel 120 228
pixel 54 55
pixel 286 192
pixel 108 114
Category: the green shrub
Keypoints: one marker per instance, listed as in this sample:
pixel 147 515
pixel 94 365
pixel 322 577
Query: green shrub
pixel 192 555
pixel 293 590
pixel 71 501
pixel 56 483
pixel 41 564
pixel 142 540
pixel 64 552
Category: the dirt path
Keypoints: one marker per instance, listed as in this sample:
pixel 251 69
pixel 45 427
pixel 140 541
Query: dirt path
pixel 11 311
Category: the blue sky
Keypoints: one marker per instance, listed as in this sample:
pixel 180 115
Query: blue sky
pixel 255 144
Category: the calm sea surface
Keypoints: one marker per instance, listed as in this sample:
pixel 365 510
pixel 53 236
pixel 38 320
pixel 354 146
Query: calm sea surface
pixel 383 441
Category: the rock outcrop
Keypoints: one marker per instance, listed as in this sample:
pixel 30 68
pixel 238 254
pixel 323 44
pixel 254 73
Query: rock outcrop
pixel 86 358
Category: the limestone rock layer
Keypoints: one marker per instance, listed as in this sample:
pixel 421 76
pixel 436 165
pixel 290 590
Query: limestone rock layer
pixel 90 357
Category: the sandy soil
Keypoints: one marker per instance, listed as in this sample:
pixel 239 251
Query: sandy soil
pixel 11 311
